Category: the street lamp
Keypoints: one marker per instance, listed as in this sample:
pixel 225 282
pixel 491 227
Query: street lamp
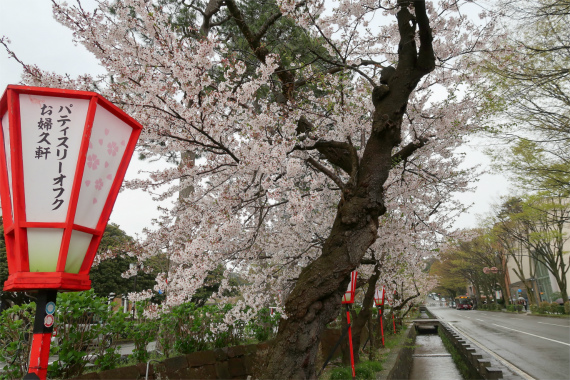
pixel 63 157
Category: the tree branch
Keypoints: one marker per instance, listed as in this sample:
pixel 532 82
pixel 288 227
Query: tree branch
pixel 409 149
pixel 326 171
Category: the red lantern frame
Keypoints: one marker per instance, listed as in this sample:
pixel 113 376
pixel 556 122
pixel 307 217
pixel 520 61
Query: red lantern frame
pixel 348 297
pixel 379 296
pixel 16 224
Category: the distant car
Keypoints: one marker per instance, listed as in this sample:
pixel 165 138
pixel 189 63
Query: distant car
pixel 436 298
pixel 442 299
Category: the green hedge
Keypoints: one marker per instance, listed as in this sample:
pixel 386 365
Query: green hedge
pixel 550 308
pixel 82 317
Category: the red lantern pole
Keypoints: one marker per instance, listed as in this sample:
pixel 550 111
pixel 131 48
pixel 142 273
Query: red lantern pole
pixel 381 325
pixel 393 311
pixel 43 329
pixel 350 341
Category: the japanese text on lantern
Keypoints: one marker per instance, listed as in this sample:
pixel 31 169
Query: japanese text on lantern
pixel 58 135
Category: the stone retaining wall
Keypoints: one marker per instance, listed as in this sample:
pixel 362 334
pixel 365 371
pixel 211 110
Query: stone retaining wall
pixel 226 363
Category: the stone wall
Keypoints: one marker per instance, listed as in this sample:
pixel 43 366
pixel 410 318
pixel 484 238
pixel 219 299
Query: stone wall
pixel 236 362
pixel 473 357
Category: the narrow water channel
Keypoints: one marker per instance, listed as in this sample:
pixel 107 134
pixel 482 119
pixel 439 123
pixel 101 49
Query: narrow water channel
pixel 431 361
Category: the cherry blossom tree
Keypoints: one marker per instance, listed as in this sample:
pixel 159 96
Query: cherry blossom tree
pixel 319 131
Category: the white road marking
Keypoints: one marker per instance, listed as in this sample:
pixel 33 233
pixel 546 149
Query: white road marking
pixel 552 324
pixel 538 336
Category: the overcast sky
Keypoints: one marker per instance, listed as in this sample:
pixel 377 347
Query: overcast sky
pixel 37 38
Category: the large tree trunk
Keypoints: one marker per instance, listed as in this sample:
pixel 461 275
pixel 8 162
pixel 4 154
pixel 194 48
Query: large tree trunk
pixel 316 298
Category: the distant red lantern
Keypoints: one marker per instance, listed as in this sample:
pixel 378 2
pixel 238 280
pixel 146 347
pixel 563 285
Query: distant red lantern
pixel 486 270
pixel 494 270
pixel 379 295
pixel 63 157
pixel 348 297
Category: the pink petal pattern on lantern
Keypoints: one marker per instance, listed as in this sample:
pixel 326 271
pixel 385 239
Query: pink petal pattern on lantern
pixel 112 148
pixel 109 177
pixel 106 164
pixel 100 141
pixel 90 144
pixel 92 161
pixel 87 183
pixel 94 200
pixel 106 131
pixel 99 184
pixel 123 142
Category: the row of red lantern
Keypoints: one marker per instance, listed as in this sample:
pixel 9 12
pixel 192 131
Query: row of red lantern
pixel 348 297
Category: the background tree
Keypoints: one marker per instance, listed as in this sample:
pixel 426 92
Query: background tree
pixel 114 260
pixel 513 249
pixel 539 225
pixel 528 89
pixel 449 279
pixel 466 258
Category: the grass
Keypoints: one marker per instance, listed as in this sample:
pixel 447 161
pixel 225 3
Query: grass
pixel 364 370
pixel 368 369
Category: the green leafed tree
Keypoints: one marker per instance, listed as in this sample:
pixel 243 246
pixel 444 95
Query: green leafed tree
pixel 539 224
pixel 106 277
pixel 528 93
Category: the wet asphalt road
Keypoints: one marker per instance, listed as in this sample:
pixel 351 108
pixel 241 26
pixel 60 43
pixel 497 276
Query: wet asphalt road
pixel 539 346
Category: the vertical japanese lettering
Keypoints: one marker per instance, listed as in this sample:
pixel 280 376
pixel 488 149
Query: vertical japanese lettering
pixel 48 133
